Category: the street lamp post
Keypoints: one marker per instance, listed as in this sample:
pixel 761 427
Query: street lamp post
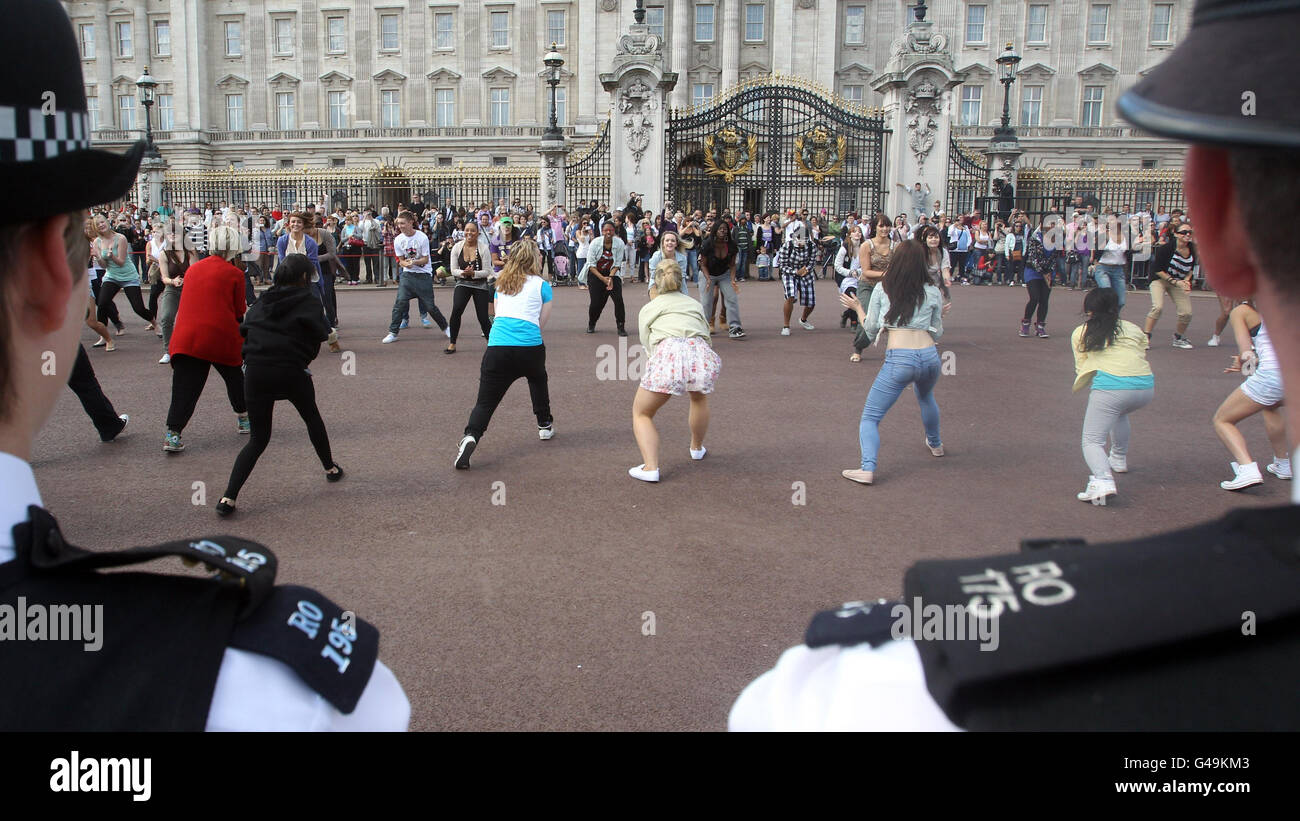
pixel 147 85
pixel 553 62
pixel 1007 62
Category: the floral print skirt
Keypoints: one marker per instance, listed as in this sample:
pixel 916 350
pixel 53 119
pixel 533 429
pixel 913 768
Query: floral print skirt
pixel 681 364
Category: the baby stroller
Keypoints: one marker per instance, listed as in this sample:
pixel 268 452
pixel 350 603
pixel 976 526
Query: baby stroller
pixel 562 269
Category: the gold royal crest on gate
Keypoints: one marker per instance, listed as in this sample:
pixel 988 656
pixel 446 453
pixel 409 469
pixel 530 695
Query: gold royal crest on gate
pixel 819 153
pixel 729 153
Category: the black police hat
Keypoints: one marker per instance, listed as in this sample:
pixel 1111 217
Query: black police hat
pixel 46 161
pixel 1229 82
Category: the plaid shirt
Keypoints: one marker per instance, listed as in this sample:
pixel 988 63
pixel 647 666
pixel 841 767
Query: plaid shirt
pixel 793 258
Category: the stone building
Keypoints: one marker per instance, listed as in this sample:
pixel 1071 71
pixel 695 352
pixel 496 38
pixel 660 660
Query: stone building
pixel 273 83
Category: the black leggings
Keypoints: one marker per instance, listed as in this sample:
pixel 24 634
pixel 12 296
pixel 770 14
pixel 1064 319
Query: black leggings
pixel 600 295
pixel 189 375
pixel 263 385
pixel 155 291
pixel 1039 291
pixel 108 289
pixel 502 365
pixel 459 300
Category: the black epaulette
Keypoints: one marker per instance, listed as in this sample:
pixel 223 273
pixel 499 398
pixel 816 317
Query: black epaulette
pixel 164 636
pixel 1195 629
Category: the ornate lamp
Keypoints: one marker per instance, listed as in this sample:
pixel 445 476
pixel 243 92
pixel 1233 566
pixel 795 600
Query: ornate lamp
pixel 553 62
pixel 148 85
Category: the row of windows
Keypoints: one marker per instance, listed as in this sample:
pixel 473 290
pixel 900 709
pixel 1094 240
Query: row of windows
pixel 1037 19
pixel 336 39
pixel 976 30
pixel 162 39
pixel 1031 105
pixel 338 105
pixel 755 20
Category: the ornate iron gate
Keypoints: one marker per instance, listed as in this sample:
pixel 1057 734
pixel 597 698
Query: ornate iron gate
pixel 587 177
pixel 968 180
pixel 775 143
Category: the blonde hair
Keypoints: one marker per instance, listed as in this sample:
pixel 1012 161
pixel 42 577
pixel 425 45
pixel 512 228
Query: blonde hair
pixel 523 262
pixel 668 276
pixel 224 242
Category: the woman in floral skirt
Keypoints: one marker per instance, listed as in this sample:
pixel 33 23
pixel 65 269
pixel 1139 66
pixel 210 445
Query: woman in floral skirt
pixel 682 360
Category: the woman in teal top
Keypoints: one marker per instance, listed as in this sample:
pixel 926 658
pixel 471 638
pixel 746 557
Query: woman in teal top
pixel 111 250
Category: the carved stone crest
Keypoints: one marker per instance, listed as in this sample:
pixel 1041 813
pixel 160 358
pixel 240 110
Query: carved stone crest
pixel 922 104
pixel 608 5
pixel 807 4
pixel 636 103
pixel 632 44
pixel 819 153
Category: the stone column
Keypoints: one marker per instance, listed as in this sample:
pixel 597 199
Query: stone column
pixel 472 107
pixel 554 154
pixel 783 55
pixel 640 86
pixel 682 38
pixel 152 172
pixel 916 85
pixel 730 44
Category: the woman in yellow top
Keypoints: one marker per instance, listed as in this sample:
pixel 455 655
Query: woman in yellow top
pixel 682 360
pixel 1110 355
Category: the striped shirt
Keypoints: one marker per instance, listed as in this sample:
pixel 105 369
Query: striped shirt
pixel 1180 267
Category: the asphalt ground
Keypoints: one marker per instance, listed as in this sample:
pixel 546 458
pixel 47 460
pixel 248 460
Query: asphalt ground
pixel 546 589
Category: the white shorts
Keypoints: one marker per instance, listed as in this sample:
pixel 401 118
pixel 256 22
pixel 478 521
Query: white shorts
pixel 1264 387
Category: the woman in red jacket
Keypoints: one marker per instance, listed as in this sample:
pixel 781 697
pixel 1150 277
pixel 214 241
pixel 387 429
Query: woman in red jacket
pixel 206 334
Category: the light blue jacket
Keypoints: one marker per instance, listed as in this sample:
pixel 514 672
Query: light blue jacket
pixel 928 317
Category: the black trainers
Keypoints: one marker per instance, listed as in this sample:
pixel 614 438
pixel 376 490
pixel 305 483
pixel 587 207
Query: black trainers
pixel 334 477
pixel 224 509
pixel 736 333
pixel 621 330
pixel 591 329
pixel 466 450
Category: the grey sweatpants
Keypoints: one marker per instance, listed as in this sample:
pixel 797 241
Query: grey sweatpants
pixel 1107 414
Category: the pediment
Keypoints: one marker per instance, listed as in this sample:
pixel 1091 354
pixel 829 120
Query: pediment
pixel 977 70
pixel 443 74
pixel 281 78
pixel 335 78
pixel 1098 70
pixel 499 73
pixel 389 76
pixel 565 74
pixel 1036 70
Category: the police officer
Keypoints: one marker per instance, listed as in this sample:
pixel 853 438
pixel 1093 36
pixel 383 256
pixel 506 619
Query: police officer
pixel 1197 629
pixel 84 650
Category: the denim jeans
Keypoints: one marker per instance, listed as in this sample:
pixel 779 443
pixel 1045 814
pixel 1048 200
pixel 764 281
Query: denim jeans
pixel 902 366
pixel 729 298
pixel 742 263
pixel 417 286
pixel 1111 276
pixel 692 264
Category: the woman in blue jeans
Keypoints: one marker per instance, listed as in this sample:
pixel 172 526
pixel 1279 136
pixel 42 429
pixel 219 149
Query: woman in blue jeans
pixel 906 305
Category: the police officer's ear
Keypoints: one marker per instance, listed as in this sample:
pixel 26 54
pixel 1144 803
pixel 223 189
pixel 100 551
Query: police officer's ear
pixel 40 272
pixel 1223 239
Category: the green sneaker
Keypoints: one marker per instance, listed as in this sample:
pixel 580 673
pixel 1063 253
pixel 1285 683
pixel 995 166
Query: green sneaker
pixel 173 443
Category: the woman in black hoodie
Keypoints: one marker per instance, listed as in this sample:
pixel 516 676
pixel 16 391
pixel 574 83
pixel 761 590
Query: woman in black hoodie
pixel 282 333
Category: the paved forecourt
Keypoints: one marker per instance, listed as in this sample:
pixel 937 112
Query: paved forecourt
pixel 545 589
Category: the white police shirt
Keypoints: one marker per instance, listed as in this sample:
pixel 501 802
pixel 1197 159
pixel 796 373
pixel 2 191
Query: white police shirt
pixel 253 692
pixel 841 688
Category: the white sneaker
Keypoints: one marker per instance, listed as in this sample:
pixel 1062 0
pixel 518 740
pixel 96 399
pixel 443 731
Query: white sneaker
pixel 424 320
pixel 388 339
pixel 697 455
pixel 1245 476
pixel 1119 464
pixel 1214 342
pixel 464 451
pixel 447 331
pixel 1281 470
pixel 166 359
pixel 785 332
pixel 1098 490
pixel 546 432
pixel 639 472
pixel 806 325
